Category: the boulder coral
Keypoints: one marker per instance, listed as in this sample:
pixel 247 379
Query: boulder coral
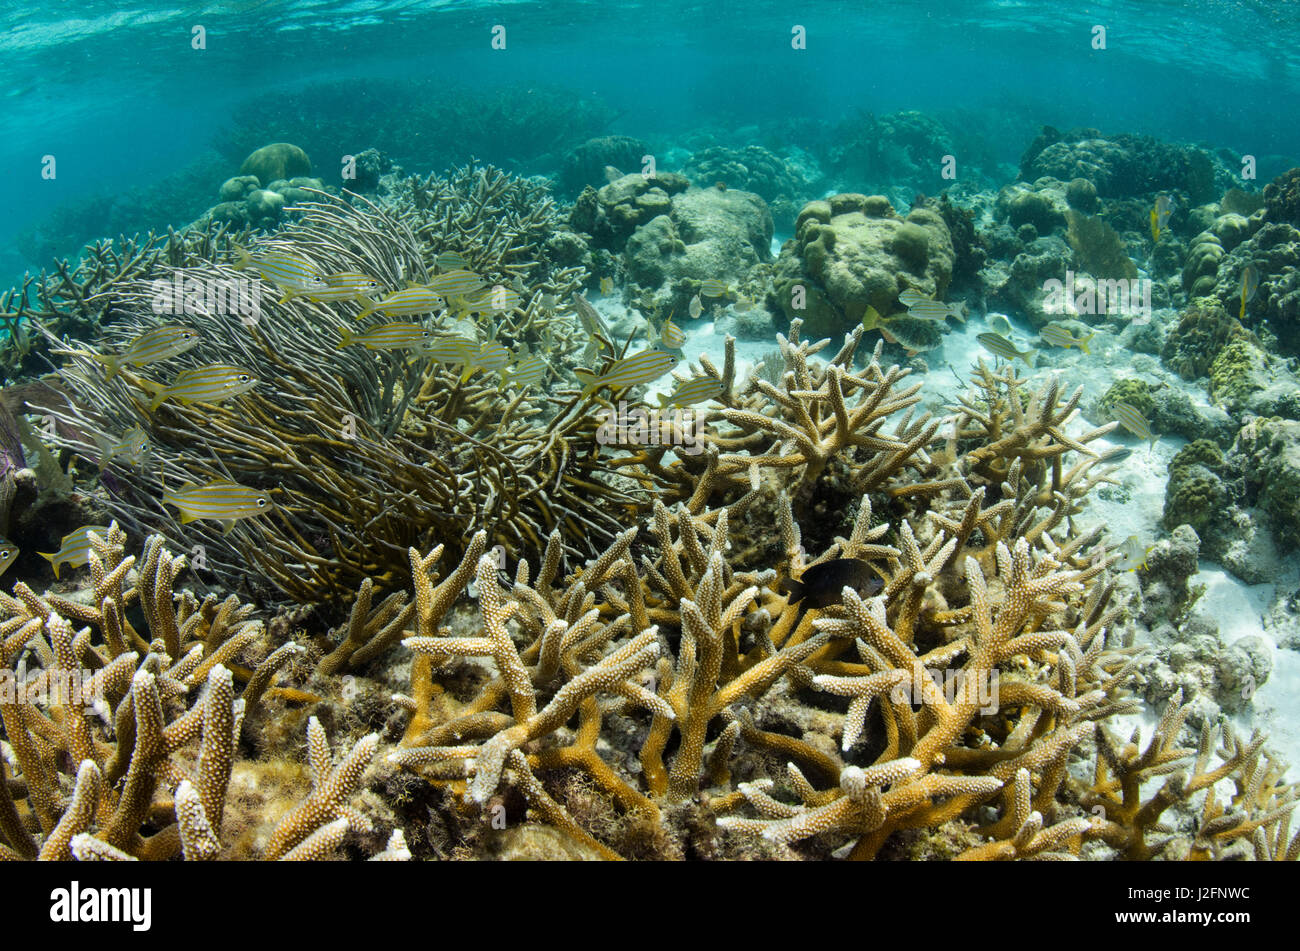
pixel 853 251
pixel 280 160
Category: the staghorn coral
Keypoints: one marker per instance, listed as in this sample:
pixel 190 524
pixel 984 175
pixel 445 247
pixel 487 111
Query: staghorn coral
pixel 110 705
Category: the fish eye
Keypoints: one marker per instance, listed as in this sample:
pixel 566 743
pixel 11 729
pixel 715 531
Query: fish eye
pixel 261 503
pixel 244 378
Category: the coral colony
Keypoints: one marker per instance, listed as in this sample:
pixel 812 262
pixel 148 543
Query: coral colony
pixel 564 518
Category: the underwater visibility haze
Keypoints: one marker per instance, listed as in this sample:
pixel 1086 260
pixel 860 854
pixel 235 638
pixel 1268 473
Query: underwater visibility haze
pixel 650 431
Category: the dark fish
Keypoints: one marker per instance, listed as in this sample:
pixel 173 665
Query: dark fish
pixel 822 585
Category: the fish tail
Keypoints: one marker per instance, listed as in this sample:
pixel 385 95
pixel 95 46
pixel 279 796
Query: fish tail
pixel 1030 358
pixel 50 556
pixel 112 363
pixel 349 338
pixel 242 258
pixel 1083 344
pixel 156 391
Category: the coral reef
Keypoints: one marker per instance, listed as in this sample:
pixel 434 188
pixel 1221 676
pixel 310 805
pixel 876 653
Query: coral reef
pixel 585 165
pixel 275 162
pixel 1203 329
pixel 1268 451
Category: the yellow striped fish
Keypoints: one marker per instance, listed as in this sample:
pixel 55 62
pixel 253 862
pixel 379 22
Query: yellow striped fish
pixel 1249 285
pixel 491 357
pixel 639 368
pixel 918 305
pixel 345 285
pixel 286 270
pixel 672 337
pixel 715 288
pixel 451 261
pixel 1059 336
pixel 451 349
pixel 214 383
pixel 528 371
pixel 398 335
pixel 74 548
pixel 455 283
pixel 8 552
pixel 416 299
pixel 1131 418
pixel 133 448
pixel 152 346
pixel 222 500
pixel 1004 348
pixel 589 317
pixel 695 390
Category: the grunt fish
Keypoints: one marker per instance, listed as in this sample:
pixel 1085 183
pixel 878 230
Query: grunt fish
pixel 451 261
pixel 1131 418
pixel 1059 336
pixel 1164 207
pixel 415 299
pixel 1004 348
pixel 8 552
pixel 715 288
pixel 1249 285
pixel 641 367
pixel 918 305
pixel 222 500
pixel 133 447
pixel 345 285
pixel 399 335
pixel 74 548
pixel 152 346
pixel 286 270
pixel 697 389
pixel 214 383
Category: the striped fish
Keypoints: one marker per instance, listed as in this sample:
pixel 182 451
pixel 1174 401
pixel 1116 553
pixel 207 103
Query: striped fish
pixel 451 261
pixel 1059 336
pixel 491 357
pixel 451 350
pixel 715 288
pixel 133 448
pixel 639 368
pixel 416 299
pixel 528 371
pixel 398 335
pixel 695 390
pixel 345 285
pixel 589 317
pixel 152 346
pixel 606 287
pixel 1131 418
pixel 695 307
pixel 1004 348
pixel 222 500
pixel 920 306
pixel 286 270
pixel 455 283
pixel 214 383
pixel 74 548
pixel 1249 285
pixel 672 337
pixel 8 552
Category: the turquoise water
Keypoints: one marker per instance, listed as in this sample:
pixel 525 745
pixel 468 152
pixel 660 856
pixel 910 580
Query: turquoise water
pixel 116 93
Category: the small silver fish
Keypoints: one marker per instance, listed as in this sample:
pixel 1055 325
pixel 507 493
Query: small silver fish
pixel 1249 285
pixel 696 307
pixel 132 447
pixel 8 552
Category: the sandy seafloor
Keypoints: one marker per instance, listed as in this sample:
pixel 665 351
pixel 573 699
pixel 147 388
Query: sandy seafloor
pixel 1238 608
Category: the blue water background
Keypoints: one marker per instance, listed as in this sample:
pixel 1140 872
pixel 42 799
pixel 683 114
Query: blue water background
pixel 116 93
